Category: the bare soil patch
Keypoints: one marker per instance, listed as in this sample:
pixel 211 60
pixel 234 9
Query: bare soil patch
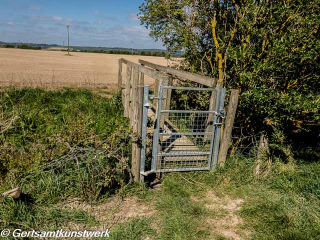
pixel 111 212
pixel 224 221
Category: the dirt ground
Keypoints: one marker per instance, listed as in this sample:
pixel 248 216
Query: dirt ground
pixel 225 221
pixel 49 69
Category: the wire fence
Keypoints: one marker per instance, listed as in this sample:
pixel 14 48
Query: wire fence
pixel 243 143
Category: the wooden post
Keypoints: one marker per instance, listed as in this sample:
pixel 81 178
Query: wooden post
pixel 133 104
pixel 136 146
pixel 127 92
pixel 120 75
pixel 263 147
pixel 209 122
pixel 164 102
pixel 156 94
pixel 141 80
pixel 168 100
pixel 231 114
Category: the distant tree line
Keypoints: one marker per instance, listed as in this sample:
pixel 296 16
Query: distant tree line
pixel 126 52
pixel 123 52
pixel 22 46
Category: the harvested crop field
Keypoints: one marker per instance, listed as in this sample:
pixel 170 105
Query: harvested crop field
pixel 51 69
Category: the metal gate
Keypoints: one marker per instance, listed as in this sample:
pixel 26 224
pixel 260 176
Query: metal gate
pixel 183 139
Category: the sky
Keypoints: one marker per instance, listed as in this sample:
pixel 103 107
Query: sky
pixel 98 23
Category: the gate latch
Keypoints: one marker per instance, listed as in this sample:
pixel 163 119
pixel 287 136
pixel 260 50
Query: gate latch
pixel 153 97
pixel 222 113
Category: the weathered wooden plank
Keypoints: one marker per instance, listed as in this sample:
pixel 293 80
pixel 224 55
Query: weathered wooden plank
pixel 231 114
pixel 141 79
pixel 163 103
pixel 135 80
pixel 156 94
pixel 207 81
pixel 136 146
pixel 212 103
pixel 262 149
pixel 168 100
pixel 127 92
pixel 147 71
pixel 120 75
pixel 123 93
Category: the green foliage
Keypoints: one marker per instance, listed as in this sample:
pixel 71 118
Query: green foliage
pixel 25 46
pixel 127 52
pixel 63 143
pixel 8 46
pixel 190 100
pixel 270 50
pixel 283 203
pixel 27 216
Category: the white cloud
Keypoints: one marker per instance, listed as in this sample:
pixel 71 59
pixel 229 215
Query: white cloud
pixel 57 18
pixel 99 32
pixel 133 17
pixel 97 13
pixel 103 16
pixel 99 22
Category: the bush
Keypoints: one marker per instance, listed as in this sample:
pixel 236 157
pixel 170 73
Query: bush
pixel 24 46
pixel 8 46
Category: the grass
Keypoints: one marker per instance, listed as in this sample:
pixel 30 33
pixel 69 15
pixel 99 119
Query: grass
pixel 282 205
pixel 46 135
pixel 58 145
pixel 133 230
pixel 66 144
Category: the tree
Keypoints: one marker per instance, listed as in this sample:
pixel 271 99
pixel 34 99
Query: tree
pixel 266 49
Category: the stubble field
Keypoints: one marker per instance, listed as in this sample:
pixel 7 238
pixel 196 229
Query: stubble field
pixel 52 69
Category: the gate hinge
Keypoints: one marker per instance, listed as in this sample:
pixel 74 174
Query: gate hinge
pixel 220 114
pixel 147 173
pixel 148 105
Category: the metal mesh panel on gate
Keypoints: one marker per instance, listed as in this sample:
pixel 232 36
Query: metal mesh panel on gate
pixel 184 138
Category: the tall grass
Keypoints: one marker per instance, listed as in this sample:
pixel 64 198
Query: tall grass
pixel 67 142
pixel 283 203
pixel 57 145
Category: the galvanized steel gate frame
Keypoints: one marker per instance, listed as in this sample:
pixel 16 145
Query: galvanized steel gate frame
pixel 183 156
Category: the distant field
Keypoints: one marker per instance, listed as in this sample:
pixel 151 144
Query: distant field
pixel 52 69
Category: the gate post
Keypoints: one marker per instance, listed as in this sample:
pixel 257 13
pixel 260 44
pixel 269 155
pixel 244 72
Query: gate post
pixel 127 92
pixel 120 75
pixel 219 109
pixel 154 163
pixel 136 116
pixel 232 108
pixel 145 108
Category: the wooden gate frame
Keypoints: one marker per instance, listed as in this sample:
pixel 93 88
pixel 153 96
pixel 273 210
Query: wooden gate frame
pixel 132 99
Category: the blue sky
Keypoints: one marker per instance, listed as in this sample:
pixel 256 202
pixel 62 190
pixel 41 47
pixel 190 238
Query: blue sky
pixel 92 23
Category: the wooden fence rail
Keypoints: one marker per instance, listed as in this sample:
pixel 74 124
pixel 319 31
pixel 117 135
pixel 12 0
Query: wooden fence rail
pixel 206 81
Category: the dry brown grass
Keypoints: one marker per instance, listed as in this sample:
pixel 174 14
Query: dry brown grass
pixel 52 69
